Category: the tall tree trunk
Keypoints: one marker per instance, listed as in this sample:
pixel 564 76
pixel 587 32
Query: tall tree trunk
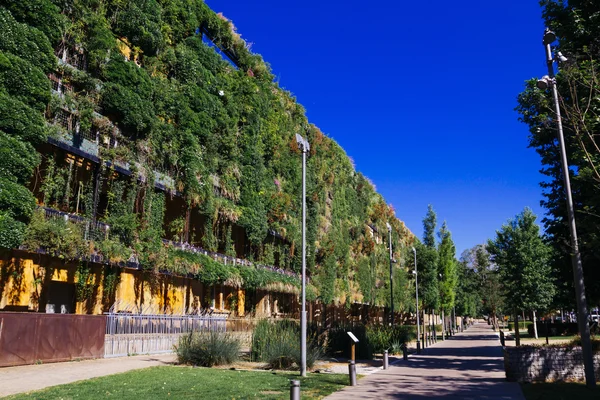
pixel 443 326
pixel 535 332
pixel 433 332
pixel 517 335
pixel 423 330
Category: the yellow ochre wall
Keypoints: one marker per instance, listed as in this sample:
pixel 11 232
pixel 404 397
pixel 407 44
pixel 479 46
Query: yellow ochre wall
pixel 24 277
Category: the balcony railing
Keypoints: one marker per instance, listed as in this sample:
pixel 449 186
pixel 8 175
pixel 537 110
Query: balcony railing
pixel 228 260
pixel 100 231
pixel 88 143
pixel 91 230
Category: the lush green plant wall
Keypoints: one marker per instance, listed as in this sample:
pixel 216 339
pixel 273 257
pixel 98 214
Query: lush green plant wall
pixel 223 132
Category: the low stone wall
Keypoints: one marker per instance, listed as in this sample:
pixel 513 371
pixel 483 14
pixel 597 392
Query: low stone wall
pixel 535 364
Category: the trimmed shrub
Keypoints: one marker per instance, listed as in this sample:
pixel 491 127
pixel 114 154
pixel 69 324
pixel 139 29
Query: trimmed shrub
pixel 207 349
pixel 371 339
pixel 555 329
pixel 338 341
pixel 522 325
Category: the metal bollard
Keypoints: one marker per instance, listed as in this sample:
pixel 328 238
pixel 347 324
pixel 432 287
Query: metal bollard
pixel 502 342
pixel 352 372
pixel 294 390
pixel 405 352
pixel 385 360
pixel 418 347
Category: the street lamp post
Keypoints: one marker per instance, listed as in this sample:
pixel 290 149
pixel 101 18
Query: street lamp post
pixel 417 296
pixel 391 272
pixel 582 314
pixel 304 148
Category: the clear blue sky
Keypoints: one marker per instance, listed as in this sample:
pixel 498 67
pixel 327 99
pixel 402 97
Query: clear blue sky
pixel 420 94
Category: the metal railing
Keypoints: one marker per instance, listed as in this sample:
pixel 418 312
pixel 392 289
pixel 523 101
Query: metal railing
pixel 228 260
pixel 100 230
pixel 91 230
pixel 128 334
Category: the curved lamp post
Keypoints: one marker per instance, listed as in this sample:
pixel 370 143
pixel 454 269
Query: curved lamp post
pixel 544 83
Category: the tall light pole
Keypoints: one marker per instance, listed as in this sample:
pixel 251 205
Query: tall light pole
pixel 391 271
pixel 304 148
pixel 582 313
pixel 417 295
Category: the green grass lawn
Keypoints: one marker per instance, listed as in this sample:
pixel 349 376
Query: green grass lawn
pixel 187 382
pixel 559 391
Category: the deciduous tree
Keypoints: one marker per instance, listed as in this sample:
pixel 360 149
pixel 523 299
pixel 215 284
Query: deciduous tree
pixel 523 263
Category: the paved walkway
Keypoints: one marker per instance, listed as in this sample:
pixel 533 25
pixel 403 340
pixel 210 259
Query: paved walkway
pixel 467 366
pixel 34 377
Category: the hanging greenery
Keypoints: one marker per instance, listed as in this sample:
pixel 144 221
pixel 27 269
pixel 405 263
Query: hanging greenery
pixel 145 77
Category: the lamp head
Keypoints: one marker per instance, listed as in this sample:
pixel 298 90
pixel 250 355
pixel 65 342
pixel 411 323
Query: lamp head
pixel 303 144
pixel 544 82
pixel 549 37
pixel 388 226
pixel 561 58
pixel 414 250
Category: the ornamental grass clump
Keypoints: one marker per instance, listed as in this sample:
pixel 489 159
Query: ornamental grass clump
pixel 382 337
pixel 207 349
pixel 278 345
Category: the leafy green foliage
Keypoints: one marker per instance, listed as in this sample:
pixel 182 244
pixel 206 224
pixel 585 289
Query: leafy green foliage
pixel 84 288
pixel 339 343
pixel 56 237
pixel 140 21
pixel 42 14
pixel 12 232
pixel 576 25
pixel 523 263
pixel 21 121
pixel 224 133
pixel 24 81
pixel 427 262
pixel 429 225
pixel 24 92
pixel 17 159
pixel 373 339
pixel 447 269
pixel 16 201
pixel 26 42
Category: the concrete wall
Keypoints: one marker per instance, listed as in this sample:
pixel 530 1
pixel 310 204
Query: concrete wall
pixel 534 364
